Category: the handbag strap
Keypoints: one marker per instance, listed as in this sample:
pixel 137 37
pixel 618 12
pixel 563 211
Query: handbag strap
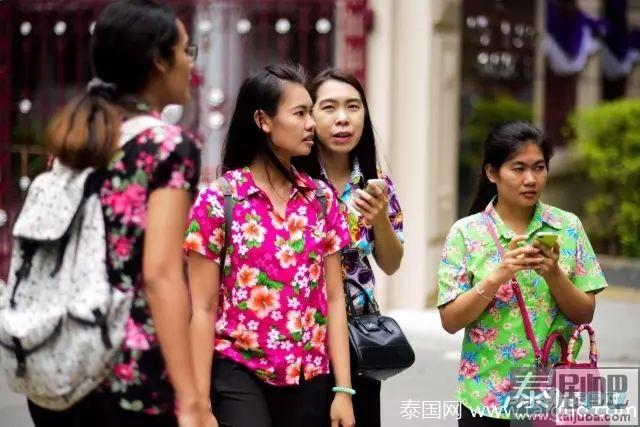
pixel 528 328
pixel 593 352
pixel 548 345
pixel 229 204
pixel 351 307
pixel 321 197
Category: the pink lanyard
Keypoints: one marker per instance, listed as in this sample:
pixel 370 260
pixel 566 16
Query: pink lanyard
pixel 516 289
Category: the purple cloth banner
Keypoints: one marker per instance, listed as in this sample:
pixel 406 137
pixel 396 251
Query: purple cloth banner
pixel 571 37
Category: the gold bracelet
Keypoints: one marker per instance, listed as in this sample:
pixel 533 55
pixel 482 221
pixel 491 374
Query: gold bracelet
pixel 481 293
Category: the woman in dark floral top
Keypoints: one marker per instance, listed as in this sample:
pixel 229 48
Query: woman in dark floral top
pixel 142 60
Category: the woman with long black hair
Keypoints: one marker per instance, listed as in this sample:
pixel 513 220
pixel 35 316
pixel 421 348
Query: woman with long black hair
pixel 268 321
pixel 142 60
pixel 558 281
pixel 345 156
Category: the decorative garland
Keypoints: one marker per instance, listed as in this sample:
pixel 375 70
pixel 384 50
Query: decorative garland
pixel 573 36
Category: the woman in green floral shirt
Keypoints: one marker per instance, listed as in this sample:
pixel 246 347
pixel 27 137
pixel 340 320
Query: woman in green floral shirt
pixel 558 284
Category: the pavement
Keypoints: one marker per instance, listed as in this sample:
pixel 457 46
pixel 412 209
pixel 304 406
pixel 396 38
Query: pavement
pixel 432 379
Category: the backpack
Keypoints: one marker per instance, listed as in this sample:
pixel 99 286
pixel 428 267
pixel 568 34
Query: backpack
pixel 229 204
pixel 62 323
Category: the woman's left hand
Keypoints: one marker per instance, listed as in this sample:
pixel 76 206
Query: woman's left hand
pixel 374 207
pixel 342 411
pixel 549 264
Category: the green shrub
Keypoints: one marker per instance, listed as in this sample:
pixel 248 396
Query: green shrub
pixel 607 144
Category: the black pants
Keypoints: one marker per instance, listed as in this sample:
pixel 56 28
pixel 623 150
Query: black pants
pixel 97 410
pixel 468 420
pixel 366 402
pixel 241 399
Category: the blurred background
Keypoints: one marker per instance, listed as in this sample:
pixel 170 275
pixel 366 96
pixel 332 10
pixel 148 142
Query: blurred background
pixel 439 75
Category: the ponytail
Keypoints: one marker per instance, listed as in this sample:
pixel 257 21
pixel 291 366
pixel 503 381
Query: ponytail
pixel 129 36
pixel 487 190
pixel 85 132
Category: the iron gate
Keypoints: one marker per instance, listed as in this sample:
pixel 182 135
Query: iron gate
pixel 44 61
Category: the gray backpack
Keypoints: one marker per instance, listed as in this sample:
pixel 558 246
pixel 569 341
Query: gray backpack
pixel 61 322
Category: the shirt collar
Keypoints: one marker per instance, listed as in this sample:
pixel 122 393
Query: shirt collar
pixel 542 214
pixel 243 186
pixel 354 179
pixel 356 174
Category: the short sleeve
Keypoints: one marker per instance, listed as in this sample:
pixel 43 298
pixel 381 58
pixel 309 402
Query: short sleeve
pixel 395 212
pixel 336 229
pixel 588 275
pixel 205 234
pixel 453 276
pixel 177 160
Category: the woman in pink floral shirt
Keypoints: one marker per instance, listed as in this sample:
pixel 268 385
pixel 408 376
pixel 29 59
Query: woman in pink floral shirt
pixel 277 304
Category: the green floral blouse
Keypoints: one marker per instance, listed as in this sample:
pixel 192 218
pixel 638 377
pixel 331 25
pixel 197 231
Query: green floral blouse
pixel 496 342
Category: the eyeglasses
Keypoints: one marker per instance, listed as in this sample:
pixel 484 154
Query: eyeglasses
pixel 192 52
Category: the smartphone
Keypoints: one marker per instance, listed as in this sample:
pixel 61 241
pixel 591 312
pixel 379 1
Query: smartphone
pixel 547 239
pixel 380 183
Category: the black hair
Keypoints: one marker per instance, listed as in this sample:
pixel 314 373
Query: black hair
pixel 127 37
pixel 365 151
pixel 245 140
pixel 501 145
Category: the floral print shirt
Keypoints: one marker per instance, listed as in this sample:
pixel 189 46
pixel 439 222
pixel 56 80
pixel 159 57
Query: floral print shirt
pixel 272 309
pixel 161 157
pixel 497 342
pixel 355 258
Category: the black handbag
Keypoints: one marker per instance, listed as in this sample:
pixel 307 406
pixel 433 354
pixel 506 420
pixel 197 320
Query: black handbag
pixel 379 348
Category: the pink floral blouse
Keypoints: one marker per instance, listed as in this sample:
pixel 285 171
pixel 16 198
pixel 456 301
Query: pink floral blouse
pixel 272 310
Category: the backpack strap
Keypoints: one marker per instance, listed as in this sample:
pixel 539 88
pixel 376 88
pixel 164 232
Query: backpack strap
pixel 322 197
pixel 136 125
pixel 229 204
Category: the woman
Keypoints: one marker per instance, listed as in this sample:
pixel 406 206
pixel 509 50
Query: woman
pixel 142 60
pixel 558 284
pixel 277 308
pixel 346 157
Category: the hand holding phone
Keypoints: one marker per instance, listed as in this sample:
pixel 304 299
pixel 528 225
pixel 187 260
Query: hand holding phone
pixel 547 239
pixel 380 183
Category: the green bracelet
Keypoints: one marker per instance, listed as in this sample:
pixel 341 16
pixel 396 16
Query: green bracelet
pixel 347 390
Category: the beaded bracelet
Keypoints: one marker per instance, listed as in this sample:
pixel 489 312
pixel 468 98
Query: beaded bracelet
pixel 346 390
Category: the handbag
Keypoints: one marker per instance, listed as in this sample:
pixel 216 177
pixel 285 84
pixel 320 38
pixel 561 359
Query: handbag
pixel 379 349
pixel 585 372
pixel 581 373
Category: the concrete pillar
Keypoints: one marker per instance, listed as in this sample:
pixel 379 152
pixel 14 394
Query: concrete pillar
pixel 403 86
pixel 380 76
pixel 413 79
pixel 444 138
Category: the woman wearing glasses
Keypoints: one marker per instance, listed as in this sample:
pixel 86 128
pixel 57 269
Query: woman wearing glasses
pixel 142 60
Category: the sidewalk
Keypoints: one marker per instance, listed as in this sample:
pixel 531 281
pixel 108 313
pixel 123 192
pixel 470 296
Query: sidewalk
pixel 433 377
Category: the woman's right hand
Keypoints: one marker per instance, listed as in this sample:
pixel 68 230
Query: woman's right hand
pixel 516 259
pixel 209 420
pixel 196 415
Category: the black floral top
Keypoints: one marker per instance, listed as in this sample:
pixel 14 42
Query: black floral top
pixel 161 157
